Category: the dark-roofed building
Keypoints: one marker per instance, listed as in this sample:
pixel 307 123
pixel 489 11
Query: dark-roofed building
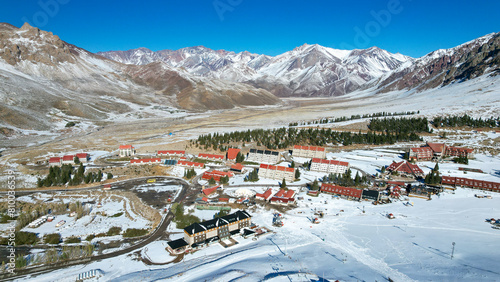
pixel 263 156
pixel 177 246
pixel 373 195
pixel 220 228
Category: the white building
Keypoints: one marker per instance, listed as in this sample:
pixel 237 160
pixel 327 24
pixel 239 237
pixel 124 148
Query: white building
pixel 309 152
pixel 329 166
pixel 263 156
pixel 126 151
pixel 277 172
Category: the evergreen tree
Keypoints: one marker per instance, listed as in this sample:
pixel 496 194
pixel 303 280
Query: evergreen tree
pixel 357 179
pixel 436 167
pixel 240 157
pixel 292 165
pixel 99 176
pixel 211 181
pixel 76 160
pixel 297 173
pixel 283 184
pixel 109 176
pixel 315 185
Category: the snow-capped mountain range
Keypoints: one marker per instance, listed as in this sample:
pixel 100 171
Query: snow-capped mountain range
pixel 308 70
pixel 44 79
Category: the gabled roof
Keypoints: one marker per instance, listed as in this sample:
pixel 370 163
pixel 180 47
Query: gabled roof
pixel 82 155
pixel 436 147
pixel 209 191
pixel 68 158
pixel 237 166
pixel 405 167
pixel 232 153
pixel 55 160
pixel 124 147
pixel 216 222
pixel 266 194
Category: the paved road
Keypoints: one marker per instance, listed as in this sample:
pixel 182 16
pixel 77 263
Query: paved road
pixel 186 191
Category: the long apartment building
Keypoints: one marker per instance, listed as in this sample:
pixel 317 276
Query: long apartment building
pixel 276 172
pixel 309 152
pixel 472 183
pixel 218 228
pixel 145 161
pixel 263 156
pixel 347 192
pixel 329 166
pixel 171 153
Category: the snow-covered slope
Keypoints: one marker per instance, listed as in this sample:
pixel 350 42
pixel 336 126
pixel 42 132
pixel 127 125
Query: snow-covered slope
pixel 308 70
pixel 44 79
pixel 442 67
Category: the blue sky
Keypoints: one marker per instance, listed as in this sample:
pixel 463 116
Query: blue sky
pixel 411 27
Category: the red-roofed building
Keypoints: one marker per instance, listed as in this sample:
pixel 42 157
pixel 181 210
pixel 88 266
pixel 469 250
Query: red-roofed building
pixel 438 150
pixel 83 157
pixel 406 168
pixel 216 174
pixel 421 154
pixel 68 159
pixel 191 164
pixel 349 193
pixel 237 167
pixel 309 152
pixel 283 197
pixel 472 183
pixel 264 196
pixel 211 190
pixel 276 172
pixel 145 161
pixel 224 200
pixel 458 152
pixel 232 153
pixel 171 153
pixel 211 157
pixel 55 161
pixel 126 151
pixel 329 166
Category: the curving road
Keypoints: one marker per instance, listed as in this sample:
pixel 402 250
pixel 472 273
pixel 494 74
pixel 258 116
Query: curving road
pixel 156 234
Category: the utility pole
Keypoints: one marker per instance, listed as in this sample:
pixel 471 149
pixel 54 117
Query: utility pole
pixel 452 249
